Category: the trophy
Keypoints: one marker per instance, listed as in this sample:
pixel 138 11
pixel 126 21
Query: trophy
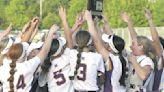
pixel 96 7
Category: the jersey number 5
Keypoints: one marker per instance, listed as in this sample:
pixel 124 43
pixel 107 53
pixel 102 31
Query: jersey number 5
pixel 21 83
pixel 59 75
pixel 82 69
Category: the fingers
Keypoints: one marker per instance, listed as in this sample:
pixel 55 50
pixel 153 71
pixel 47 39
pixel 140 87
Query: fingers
pixel 54 28
pixel 34 22
pixel 87 15
pixel 10 27
pixel 147 13
pixel 62 12
pixel 125 17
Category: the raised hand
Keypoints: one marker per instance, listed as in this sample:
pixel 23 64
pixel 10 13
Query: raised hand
pixel 125 17
pixel 80 19
pixel 53 29
pixel 26 27
pixel 87 15
pixel 147 14
pixel 104 18
pixel 9 28
pixel 34 22
pixel 131 58
pixel 62 13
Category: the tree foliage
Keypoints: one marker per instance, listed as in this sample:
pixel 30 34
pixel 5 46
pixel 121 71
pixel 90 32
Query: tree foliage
pixel 20 11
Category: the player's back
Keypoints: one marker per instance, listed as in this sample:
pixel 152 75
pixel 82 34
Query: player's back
pixel 58 75
pixel 86 78
pixel 23 75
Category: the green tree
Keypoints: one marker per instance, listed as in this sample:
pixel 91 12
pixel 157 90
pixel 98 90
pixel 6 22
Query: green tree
pixel 76 6
pixel 158 12
pixel 20 11
pixel 50 11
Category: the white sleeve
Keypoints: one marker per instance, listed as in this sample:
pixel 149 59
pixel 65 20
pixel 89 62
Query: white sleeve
pixel 73 59
pixel 101 65
pixel 33 63
pixel 147 61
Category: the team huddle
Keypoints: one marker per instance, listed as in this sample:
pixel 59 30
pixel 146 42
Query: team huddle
pixel 93 60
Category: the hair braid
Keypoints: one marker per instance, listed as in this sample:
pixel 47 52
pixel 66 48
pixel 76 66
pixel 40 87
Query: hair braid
pixel 11 78
pixel 14 53
pixel 78 63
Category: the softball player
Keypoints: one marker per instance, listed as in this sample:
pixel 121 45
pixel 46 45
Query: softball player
pixel 16 73
pixel 112 53
pixel 85 64
pixel 55 74
pixel 116 61
pixel 157 42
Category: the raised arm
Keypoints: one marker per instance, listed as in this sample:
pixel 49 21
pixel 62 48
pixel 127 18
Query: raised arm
pixel 154 33
pixel 97 40
pixel 78 24
pixel 28 30
pixel 67 32
pixel 34 32
pixel 107 29
pixel 6 32
pixel 127 19
pixel 47 44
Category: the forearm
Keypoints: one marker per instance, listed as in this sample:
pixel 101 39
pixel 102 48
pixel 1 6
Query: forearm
pixel 155 38
pixel 27 35
pixel 141 72
pixel 46 47
pixel 33 34
pixel 67 34
pixel 97 40
pixel 133 34
pixel 107 29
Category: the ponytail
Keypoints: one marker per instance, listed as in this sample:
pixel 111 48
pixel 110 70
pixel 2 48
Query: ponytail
pixel 11 78
pixel 46 64
pixel 124 70
pixel 78 63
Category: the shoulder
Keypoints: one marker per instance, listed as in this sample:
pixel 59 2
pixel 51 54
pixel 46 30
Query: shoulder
pixel 147 61
pixel 73 52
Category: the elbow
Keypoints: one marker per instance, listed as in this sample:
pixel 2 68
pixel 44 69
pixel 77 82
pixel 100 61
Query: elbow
pixel 144 76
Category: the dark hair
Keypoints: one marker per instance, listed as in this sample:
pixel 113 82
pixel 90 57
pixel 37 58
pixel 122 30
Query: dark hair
pixel 47 62
pixel 82 39
pixel 14 53
pixel 119 44
pixel 161 41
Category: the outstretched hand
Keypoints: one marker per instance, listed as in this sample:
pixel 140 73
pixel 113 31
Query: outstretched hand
pixel 147 14
pixel 53 29
pixel 104 18
pixel 34 22
pixel 87 15
pixel 80 19
pixel 62 13
pixel 9 28
pixel 125 17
